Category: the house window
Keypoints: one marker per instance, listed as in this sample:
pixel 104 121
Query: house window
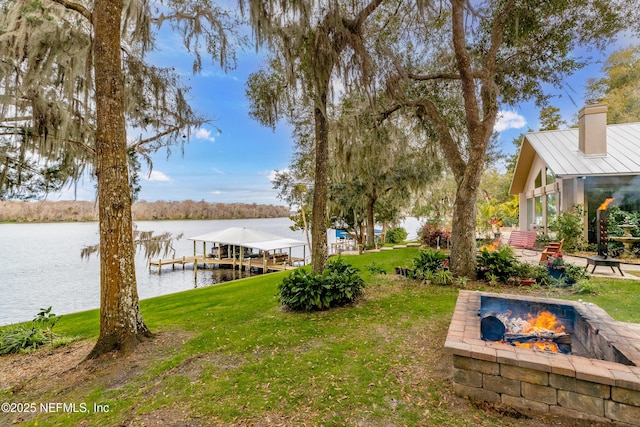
pixel 529 211
pixel 552 207
pixel 551 177
pixel 538 210
pixel 538 182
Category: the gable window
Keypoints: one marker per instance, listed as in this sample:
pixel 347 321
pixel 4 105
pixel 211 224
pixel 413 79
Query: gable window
pixel 538 182
pixel 551 177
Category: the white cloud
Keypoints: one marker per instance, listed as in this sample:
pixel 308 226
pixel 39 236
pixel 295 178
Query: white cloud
pixel 218 171
pixel 216 192
pixel 509 120
pixel 202 133
pixel 272 173
pixel 157 176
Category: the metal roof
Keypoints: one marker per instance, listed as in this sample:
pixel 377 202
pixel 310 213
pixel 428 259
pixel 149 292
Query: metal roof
pixel 249 239
pixel 559 150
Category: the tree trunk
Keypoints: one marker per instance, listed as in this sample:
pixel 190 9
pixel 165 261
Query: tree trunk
pixel 463 239
pixel 371 233
pixel 121 324
pixel 320 189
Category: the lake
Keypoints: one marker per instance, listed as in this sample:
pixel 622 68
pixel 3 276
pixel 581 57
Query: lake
pixel 40 264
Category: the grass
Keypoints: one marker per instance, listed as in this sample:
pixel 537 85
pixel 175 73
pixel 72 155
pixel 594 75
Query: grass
pixel 235 357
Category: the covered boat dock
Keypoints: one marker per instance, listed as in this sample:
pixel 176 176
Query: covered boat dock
pixel 241 248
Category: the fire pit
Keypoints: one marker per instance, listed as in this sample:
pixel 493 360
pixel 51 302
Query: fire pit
pixel 594 374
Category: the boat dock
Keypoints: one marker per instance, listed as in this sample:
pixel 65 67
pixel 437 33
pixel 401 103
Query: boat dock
pixel 239 248
pixel 247 264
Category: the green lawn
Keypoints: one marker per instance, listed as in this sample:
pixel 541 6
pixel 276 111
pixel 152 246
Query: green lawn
pixel 229 354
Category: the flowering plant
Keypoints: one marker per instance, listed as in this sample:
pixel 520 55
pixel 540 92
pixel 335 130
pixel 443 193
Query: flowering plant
pixel 556 261
pixel 495 221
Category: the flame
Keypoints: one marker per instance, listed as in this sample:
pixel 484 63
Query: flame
pixel 544 346
pixel 493 246
pixel 603 206
pixel 546 321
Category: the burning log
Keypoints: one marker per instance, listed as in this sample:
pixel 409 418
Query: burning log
pixel 561 340
pixel 516 331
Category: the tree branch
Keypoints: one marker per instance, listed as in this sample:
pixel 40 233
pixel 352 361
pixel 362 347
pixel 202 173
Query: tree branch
pixel 77 7
pixel 427 109
pixel 156 137
pixel 463 60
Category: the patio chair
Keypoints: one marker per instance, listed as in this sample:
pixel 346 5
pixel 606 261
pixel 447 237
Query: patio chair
pixel 551 249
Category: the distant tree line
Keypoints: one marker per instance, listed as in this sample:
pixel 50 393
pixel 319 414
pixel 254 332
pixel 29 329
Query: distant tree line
pixel 49 211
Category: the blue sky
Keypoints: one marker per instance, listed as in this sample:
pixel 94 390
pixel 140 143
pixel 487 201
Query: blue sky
pixel 233 159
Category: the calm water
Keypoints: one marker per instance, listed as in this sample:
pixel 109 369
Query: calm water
pixel 40 264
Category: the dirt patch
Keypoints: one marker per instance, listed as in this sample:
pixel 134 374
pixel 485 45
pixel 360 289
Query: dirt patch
pixel 61 371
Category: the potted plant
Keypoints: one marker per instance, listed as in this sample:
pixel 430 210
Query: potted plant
pixel 525 274
pixel 556 265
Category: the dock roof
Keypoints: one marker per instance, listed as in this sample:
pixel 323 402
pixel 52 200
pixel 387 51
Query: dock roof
pixel 239 236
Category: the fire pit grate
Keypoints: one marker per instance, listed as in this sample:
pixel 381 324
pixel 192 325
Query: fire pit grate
pixel 599 380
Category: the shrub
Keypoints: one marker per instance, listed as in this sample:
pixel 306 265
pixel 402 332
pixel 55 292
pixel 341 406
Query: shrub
pixel 583 287
pixel 428 263
pixel 26 338
pixel 570 227
pixel 442 277
pixel 396 235
pixel 575 273
pixel 430 236
pixel 338 285
pixel 375 268
pixel 499 264
pixel 23 338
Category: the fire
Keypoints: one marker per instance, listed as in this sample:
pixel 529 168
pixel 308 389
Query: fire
pixel 543 346
pixel 545 321
pixel 538 332
pixel 605 204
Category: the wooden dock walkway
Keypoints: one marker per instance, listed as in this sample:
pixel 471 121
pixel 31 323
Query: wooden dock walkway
pixel 245 264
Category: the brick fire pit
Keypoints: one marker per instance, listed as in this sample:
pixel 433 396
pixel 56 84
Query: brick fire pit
pixel 599 380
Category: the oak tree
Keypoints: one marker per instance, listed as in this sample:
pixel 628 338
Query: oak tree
pixel 64 69
pixel 456 62
pixel 313 41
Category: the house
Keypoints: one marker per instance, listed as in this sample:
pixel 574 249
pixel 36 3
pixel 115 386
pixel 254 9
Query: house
pixel 557 170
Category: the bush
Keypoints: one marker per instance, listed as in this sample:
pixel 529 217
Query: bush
pixel 396 235
pixel 338 285
pixel 23 338
pixel 430 236
pixel 375 268
pixel 26 338
pixel 500 264
pixel 570 227
pixel 428 263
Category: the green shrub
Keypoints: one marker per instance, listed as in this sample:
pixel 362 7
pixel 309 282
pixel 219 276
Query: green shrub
pixel 26 338
pixel 499 265
pixel 585 287
pixel 375 268
pixel 442 277
pixel 575 273
pixel 23 338
pixel 570 227
pixel 338 285
pixel 428 261
pixel 396 235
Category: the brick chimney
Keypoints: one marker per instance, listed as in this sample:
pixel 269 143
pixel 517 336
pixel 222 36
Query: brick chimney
pixel 592 121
